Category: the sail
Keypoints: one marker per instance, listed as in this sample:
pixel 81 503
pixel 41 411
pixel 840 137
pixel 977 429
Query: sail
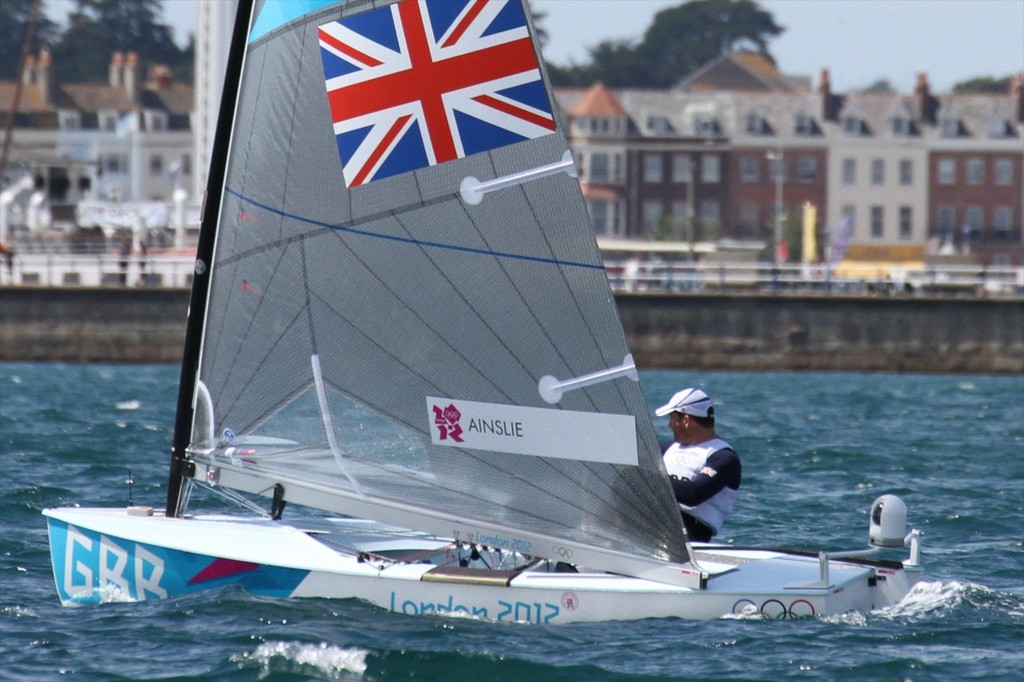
pixel 408 315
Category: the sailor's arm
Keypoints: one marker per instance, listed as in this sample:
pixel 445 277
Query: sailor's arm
pixel 721 470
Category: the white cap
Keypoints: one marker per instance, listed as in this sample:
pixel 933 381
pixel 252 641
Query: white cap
pixel 692 401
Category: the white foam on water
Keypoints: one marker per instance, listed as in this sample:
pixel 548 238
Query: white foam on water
pixel 327 661
pixel 128 405
pixel 925 598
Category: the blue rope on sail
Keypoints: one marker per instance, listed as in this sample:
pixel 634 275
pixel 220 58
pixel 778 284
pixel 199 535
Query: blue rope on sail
pixel 417 242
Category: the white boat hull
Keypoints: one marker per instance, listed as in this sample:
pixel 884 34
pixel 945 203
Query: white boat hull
pixel 115 555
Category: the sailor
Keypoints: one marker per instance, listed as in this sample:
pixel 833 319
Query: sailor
pixel 705 471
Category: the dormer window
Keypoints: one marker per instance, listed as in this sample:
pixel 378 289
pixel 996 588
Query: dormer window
pixel 999 127
pixel 902 126
pixel 949 125
pixel 756 124
pixel 107 121
pixel 705 125
pixel 70 120
pixel 156 120
pixel 659 125
pixel 803 124
pixel 853 125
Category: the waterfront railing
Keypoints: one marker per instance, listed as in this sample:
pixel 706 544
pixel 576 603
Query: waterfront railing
pixel 634 275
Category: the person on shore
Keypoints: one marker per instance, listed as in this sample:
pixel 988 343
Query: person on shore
pixel 704 470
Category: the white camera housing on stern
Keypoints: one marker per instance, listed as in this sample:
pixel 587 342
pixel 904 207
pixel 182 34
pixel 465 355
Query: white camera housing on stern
pixel 888 526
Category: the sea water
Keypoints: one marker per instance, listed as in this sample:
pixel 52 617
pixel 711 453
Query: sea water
pixel 817 449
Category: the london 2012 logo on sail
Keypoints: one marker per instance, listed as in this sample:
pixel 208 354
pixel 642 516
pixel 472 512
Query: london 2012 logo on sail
pixel 447 422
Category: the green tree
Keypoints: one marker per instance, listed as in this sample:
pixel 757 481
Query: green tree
pixel 679 40
pixel 99 27
pixel 687 36
pixel 14 23
pixel 984 84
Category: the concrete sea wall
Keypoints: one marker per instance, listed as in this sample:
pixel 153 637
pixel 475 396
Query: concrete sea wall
pixel 700 331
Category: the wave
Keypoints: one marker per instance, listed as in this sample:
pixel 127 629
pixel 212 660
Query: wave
pixel 938 599
pixel 324 661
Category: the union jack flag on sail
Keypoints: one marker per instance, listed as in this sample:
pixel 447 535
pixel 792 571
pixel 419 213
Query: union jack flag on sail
pixel 423 82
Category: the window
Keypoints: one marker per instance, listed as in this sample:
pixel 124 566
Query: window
pixel 186 164
pixel 974 217
pixel 1002 220
pixel 906 223
pixel 803 124
pixel 946 217
pixel 756 124
pixel 975 171
pixel 1004 172
pixel 710 168
pixel 750 169
pixel 652 215
pixel 847 226
pixel 659 125
pixel 652 168
pixel 807 169
pixel 710 213
pixel 949 126
pixel 599 216
pixel 777 168
pixel 599 167
pixel 115 164
pixel 947 171
pixel 906 172
pixel 901 126
pixel 682 168
pixel 877 222
pixel 70 120
pixel 877 172
pixel 156 120
pixel 704 125
pixel 849 172
pixel 679 212
pixel 108 121
pixel 156 165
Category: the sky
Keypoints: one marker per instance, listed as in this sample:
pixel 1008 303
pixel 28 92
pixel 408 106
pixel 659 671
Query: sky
pixel 859 41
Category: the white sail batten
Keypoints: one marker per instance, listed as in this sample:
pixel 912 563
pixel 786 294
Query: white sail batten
pixel 345 236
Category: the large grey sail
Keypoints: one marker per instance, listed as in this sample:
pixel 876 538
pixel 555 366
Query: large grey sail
pixel 370 320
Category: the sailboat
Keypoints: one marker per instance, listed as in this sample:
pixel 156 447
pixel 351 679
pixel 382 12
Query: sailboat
pixel 404 362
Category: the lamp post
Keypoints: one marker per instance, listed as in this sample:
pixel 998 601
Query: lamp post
pixel 690 196
pixel 778 159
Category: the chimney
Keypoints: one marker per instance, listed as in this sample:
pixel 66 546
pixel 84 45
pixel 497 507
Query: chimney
pixel 927 106
pixel 44 77
pixel 160 77
pixel 132 76
pixel 829 105
pixel 1017 95
pixel 28 76
pixel 116 70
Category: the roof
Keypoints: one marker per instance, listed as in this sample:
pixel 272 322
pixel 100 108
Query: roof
pixel 739 71
pixel 598 101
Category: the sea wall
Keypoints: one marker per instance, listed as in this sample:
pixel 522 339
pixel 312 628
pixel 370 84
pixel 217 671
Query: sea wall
pixel 701 331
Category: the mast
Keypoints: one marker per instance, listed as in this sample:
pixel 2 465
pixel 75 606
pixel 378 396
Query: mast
pixel 181 467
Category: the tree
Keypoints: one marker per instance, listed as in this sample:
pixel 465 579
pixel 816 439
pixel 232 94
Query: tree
pixel 685 37
pixel 984 84
pixel 679 40
pixel 14 21
pixel 100 27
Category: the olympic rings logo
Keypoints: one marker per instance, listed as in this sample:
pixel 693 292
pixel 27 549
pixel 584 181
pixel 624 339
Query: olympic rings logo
pixel 562 552
pixel 773 608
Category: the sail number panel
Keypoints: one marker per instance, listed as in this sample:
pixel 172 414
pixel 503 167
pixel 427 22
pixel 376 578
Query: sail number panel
pixel 541 432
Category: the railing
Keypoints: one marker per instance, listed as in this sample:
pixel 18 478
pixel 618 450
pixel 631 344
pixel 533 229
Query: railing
pixel 939 280
pixel 165 270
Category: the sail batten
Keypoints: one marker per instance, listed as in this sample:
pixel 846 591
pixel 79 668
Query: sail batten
pixel 431 321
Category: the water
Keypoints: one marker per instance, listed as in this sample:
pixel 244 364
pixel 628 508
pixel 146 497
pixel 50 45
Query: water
pixel 817 449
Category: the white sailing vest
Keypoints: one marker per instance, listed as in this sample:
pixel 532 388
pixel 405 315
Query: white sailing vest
pixel 686 461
